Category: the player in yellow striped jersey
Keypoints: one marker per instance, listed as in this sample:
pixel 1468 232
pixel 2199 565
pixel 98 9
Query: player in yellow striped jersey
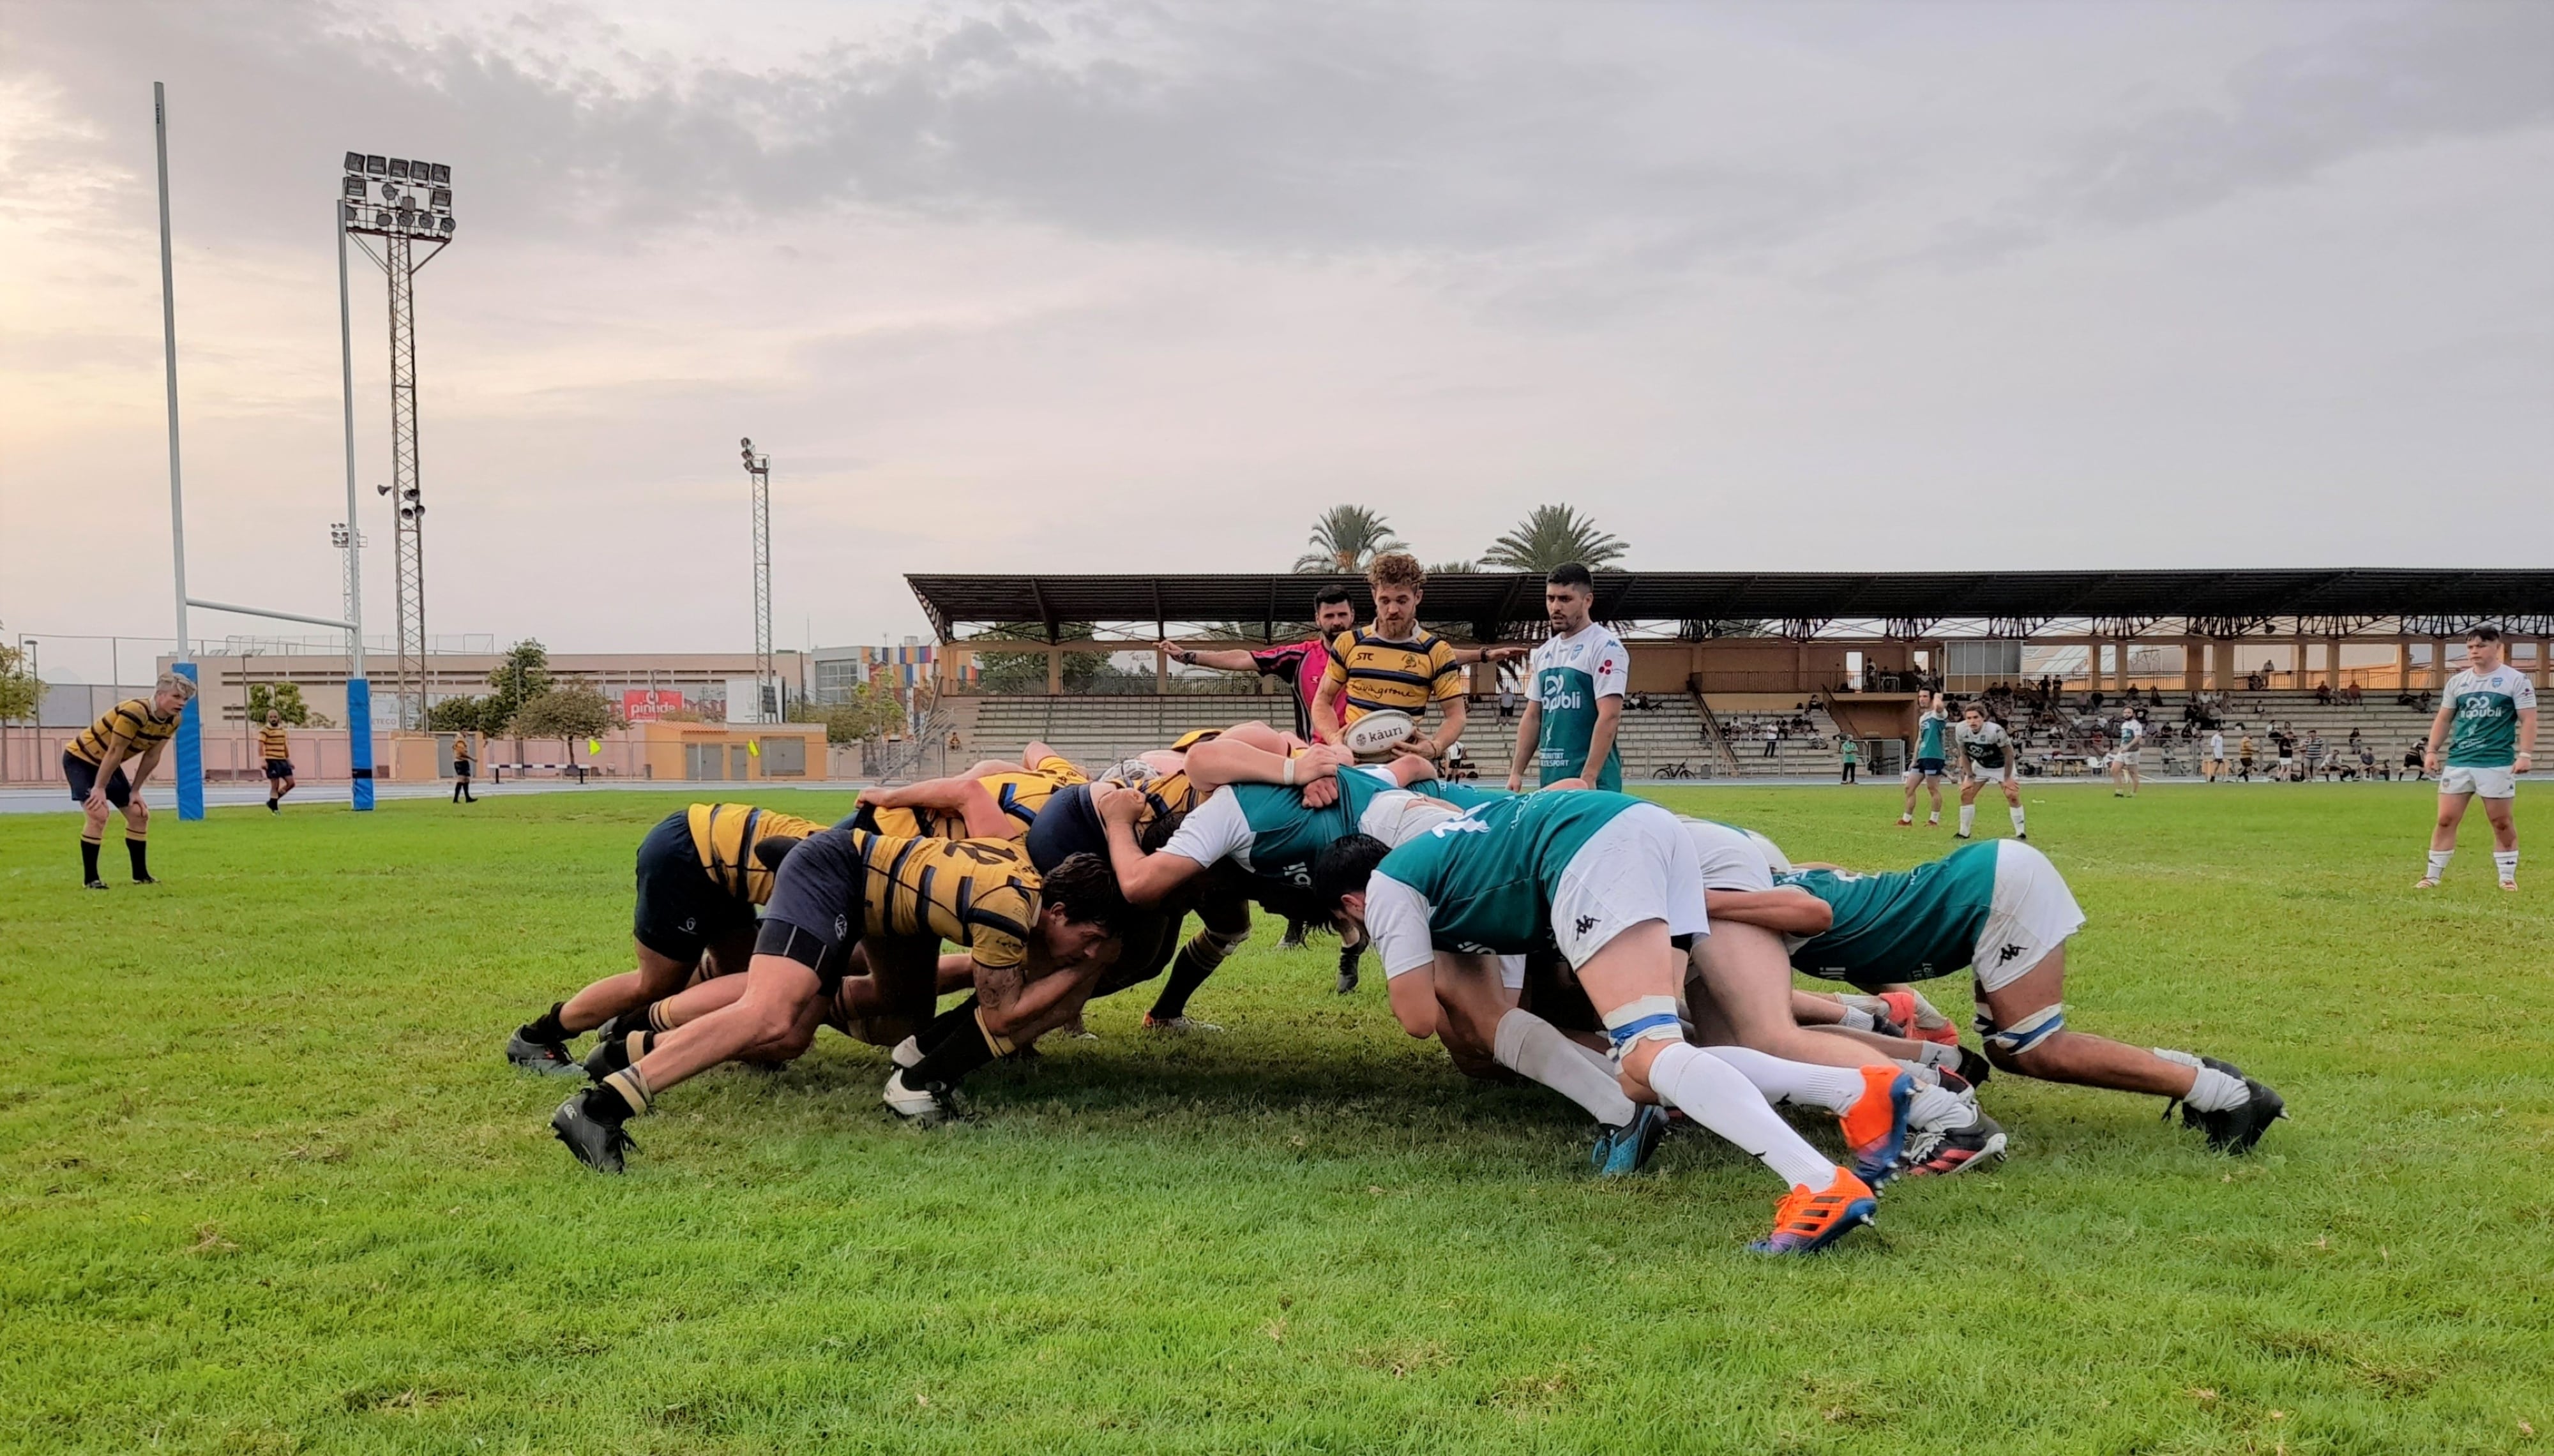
pixel 1038 944
pixel 701 873
pixel 275 746
pixel 997 799
pixel 135 731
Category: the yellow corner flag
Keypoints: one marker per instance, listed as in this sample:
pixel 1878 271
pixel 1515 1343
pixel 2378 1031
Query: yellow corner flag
pixel 753 746
pixel 594 746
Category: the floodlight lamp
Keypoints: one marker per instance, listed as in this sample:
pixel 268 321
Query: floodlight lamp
pixel 447 227
pixel 390 191
pixel 354 161
pixel 354 187
pixel 382 219
pixel 748 443
pixel 441 198
pixel 377 164
pixel 348 215
pixel 382 490
pixel 410 493
pixel 398 168
pixel 441 175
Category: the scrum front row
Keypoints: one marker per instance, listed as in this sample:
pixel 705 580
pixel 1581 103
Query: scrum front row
pixel 1638 962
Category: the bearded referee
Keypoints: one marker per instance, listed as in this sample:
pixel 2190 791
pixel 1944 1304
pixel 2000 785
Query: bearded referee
pixel 135 731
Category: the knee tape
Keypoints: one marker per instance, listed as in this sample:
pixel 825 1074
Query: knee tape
pixel 2025 1034
pixel 1642 1018
pixel 1224 942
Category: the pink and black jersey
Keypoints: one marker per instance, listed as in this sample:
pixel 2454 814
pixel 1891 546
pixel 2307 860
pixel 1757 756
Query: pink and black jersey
pixel 1300 665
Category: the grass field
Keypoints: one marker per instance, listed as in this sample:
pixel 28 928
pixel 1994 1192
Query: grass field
pixel 268 1185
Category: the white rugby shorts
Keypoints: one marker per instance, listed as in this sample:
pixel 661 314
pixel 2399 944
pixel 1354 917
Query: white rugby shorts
pixel 1640 866
pixel 2033 913
pixel 2491 783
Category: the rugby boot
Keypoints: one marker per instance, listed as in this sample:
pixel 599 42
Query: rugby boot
pixel 1348 969
pixel 549 1058
pixel 1178 1026
pixel 1623 1150
pixel 612 1029
pixel 1808 1220
pixel 1940 1154
pixel 1875 1127
pixel 1902 1010
pixel 590 1124
pixel 1974 1067
pixel 928 1105
pixel 2236 1129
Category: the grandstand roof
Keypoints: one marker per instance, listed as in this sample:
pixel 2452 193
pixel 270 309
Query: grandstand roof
pixel 1702 604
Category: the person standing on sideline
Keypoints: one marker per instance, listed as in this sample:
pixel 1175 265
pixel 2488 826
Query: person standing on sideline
pixel 2216 763
pixel 1579 676
pixel 1852 758
pixel 2487 722
pixel 1299 664
pixel 461 770
pixel 93 763
pixel 1926 771
pixel 275 746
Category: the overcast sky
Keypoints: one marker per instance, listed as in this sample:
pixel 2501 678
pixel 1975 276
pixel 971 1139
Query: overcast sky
pixel 1143 286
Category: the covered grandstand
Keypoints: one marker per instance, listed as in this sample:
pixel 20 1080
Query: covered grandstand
pixel 1720 658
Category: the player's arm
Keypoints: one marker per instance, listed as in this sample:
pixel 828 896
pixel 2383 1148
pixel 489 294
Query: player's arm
pixel 117 746
pixel 1232 659
pixel 1326 702
pixel 2439 721
pixel 146 765
pixel 1451 730
pixel 1783 909
pixel 2526 759
pixel 1600 742
pixel 1142 878
pixel 1470 656
pixel 1396 920
pixel 1528 742
pixel 1219 761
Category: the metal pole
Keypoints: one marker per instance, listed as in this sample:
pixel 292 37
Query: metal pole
pixel 190 733
pixel 358 688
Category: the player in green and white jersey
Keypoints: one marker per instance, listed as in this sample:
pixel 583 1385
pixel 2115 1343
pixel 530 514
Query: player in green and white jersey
pixel 1614 882
pixel 2001 910
pixel 2487 722
pixel 1926 769
pixel 1579 677
pixel 1986 756
pixel 1275 833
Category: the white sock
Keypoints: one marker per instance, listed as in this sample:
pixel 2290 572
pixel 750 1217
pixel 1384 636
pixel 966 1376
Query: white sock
pixel 1534 1048
pixel 2506 862
pixel 1968 818
pixel 1858 1001
pixel 1936 1054
pixel 1712 1094
pixel 2439 862
pixel 1934 1108
pixel 2211 1090
pixel 1594 1058
pixel 1834 1088
pixel 1857 1019
pixel 1933 818
pixel 2016 812
pixel 1927 1015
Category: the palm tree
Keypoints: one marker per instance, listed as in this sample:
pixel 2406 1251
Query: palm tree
pixel 1549 537
pixel 1347 537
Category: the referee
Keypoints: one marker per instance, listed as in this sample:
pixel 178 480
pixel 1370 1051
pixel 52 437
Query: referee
pixel 137 729
pixel 275 746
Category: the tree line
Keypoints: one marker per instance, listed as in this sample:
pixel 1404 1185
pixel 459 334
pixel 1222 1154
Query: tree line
pixel 1347 539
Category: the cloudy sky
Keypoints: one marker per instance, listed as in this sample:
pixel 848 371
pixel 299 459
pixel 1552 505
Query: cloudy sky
pixel 1136 285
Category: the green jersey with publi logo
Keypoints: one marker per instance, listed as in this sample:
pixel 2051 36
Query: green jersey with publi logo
pixel 1929 734
pixel 1286 835
pixel 1488 878
pixel 1569 675
pixel 1907 925
pixel 2485 731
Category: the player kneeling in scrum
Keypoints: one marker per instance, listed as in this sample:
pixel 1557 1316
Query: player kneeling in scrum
pixel 1614 881
pixel 2001 909
pixel 1039 942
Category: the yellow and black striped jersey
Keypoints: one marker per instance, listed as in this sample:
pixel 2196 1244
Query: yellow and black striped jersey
pixel 724 835
pixel 1021 793
pixel 982 894
pixel 1164 794
pixel 273 743
pixel 1377 672
pixel 132 721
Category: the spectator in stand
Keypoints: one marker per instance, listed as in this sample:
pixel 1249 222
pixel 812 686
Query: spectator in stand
pixel 2244 754
pixel 2323 694
pixel 2215 764
pixel 2412 768
pixel 1773 739
pixel 1507 697
pixel 1852 758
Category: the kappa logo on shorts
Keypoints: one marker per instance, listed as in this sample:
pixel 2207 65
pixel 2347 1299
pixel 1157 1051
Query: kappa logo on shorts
pixel 688 926
pixel 2006 954
pixel 1587 923
pixel 841 925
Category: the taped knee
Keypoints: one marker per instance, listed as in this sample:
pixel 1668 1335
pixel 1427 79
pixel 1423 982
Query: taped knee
pixel 1642 1019
pixel 2023 1035
pixel 1216 945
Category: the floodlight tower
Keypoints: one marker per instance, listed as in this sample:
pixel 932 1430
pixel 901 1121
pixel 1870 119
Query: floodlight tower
pixel 403 204
pixel 767 682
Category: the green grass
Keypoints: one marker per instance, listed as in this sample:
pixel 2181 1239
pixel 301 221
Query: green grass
pixel 268 1186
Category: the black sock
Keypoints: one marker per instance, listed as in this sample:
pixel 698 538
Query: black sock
pixel 1349 956
pixel 957 1055
pixel 545 1027
pixel 140 852
pixel 88 861
pixel 1189 970
pixel 961 1017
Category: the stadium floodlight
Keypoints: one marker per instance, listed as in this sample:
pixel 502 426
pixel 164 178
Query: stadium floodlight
pixel 441 198
pixel 377 164
pixel 398 168
pixel 447 228
pixel 354 187
pixel 442 175
pixel 354 161
pixel 767 682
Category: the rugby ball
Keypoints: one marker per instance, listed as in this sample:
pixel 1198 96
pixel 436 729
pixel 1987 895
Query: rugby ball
pixel 1377 733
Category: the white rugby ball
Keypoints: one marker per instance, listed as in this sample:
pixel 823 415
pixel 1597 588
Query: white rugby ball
pixel 1378 733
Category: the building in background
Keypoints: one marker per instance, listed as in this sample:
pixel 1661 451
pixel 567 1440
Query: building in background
pixel 656 682
pixel 834 672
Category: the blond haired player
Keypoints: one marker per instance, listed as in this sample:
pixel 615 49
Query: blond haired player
pixel 135 730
